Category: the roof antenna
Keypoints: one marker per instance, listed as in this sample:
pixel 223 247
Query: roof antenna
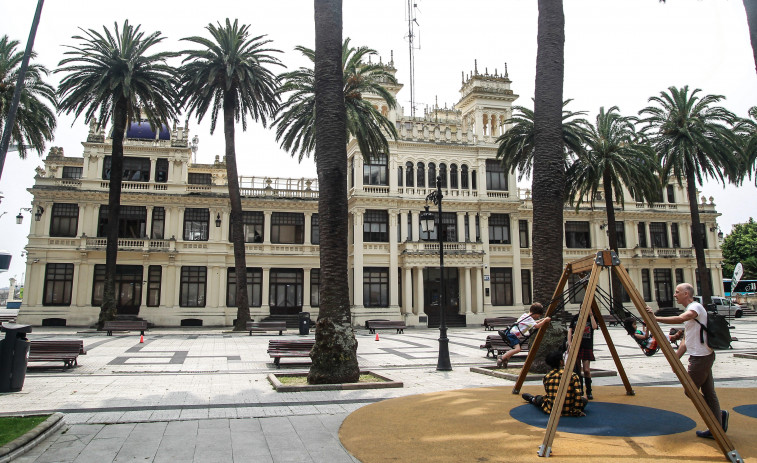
pixel 411 23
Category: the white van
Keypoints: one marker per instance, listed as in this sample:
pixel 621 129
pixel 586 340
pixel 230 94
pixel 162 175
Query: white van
pixel 724 306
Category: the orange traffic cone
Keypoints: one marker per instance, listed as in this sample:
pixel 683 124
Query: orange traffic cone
pixel 377 337
pixel 141 338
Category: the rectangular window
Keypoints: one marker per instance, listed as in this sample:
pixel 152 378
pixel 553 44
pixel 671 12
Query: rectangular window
pixel 59 282
pixel 315 287
pixel 502 286
pixel 161 170
pixel 645 286
pixel 72 172
pixel 409 226
pixel 132 222
pixel 252 227
pixel 671 194
pixel 287 228
pixel 679 276
pixel 254 287
pixel 128 285
pixel 193 286
pixel 158 223
pixel 703 231
pixel 154 277
pixel 658 232
pixel 466 224
pixel 523 233
pixel 525 284
pixel 375 287
pixel 196 224
pixel 496 177
pixel 194 178
pixel 449 228
pixel 499 229
pixel 315 229
pixel 135 169
pixel 478 229
pixel 64 220
pixel 674 235
pixel 376 226
pixel 663 287
pixel 642 231
pixel 577 235
pixel 375 170
pixel 620 232
pixel 577 290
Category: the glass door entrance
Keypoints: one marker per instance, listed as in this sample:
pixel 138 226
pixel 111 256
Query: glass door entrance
pixel 431 297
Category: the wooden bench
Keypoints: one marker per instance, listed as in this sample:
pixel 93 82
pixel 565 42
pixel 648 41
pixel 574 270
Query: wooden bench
pixel 7 318
pixel 260 327
pixel 289 348
pixel 495 346
pixel 60 350
pixel 374 325
pixel 125 325
pixel 498 322
pixel 610 320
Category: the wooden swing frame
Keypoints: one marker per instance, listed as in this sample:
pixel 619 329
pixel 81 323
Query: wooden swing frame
pixel 595 264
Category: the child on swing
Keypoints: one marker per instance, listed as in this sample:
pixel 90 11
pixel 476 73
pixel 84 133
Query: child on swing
pixel 518 333
pixel 647 342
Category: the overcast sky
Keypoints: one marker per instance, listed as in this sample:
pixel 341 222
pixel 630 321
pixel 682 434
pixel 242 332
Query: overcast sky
pixel 617 52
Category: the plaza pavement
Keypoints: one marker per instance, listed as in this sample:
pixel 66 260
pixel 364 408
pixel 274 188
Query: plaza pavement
pixel 202 394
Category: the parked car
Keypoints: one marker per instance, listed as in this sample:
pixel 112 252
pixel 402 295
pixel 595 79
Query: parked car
pixel 724 306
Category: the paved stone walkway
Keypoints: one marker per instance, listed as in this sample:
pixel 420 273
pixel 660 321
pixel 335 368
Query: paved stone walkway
pixel 203 395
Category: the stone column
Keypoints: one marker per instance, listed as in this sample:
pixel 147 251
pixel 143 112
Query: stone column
pixel 148 222
pixel 308 223
pixel 267 227
pixel 418 308
pixel 484 224
pixel 517 280
pixel 461 227
pixel 266 290
pixel 306 283
pixel 632 239
pixel 407 288
pixel 358 178
pixel 478 273
pixel 403 226
pixel 684 233
pixel 392 177
pixel 416 226
pixel 393 260
pixel 467 290
pixel 151 179
pixel 650 243
pixel 357 216
pixel 75 286
pixel 84 281
pixel 668 228
pixel 472 226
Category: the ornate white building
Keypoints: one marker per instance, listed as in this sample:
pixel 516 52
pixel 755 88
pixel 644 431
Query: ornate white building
pixel 176 265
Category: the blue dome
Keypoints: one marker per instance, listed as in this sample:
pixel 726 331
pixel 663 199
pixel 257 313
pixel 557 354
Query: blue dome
pixel 142 131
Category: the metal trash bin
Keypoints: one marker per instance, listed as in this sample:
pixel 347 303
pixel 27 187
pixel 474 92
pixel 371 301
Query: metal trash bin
pixel 304 322
pixel 14 355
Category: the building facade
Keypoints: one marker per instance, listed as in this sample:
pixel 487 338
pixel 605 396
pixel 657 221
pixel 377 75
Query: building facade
pixel 176 265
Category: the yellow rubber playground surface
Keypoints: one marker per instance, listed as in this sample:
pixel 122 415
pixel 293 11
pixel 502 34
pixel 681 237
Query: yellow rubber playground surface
pixel 477 425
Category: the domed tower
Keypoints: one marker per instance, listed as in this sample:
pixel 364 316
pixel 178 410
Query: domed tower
pixel 486 103
pixel 394 89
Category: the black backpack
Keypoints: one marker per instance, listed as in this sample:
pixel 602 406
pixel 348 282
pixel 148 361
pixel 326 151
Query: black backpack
pixel 718 333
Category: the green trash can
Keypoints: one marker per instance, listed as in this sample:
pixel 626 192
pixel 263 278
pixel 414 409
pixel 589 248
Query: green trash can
pixel 14 355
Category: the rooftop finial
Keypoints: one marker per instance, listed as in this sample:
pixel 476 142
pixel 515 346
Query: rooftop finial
pixel 391 54
pixel 475 66
pixel 505 69
pixel 462 76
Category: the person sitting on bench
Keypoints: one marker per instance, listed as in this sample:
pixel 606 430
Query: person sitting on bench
pixel 575 402
pixel 520 331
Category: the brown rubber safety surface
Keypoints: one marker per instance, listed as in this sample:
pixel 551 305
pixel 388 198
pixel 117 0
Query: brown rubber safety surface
pixel 474 425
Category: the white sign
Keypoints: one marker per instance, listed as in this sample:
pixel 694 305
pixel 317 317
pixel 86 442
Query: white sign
pixel 486 277
pixel 737 272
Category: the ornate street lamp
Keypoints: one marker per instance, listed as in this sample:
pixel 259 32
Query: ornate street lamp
pixel 427 225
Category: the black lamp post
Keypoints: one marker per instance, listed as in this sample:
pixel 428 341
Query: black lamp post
pixel 427 224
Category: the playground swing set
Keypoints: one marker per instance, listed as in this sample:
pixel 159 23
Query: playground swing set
pixel 594 264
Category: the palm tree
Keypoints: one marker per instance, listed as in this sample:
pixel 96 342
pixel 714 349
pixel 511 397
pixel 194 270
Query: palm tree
pixel 614 156
pixel 111 77
pixel 693 141
pixel 516 146
pixel 229 72
pixel 334 354
pixel 35 120
pixel 745 131
pixel 296 120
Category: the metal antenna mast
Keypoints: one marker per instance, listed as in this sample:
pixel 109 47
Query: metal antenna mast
pixel 411 22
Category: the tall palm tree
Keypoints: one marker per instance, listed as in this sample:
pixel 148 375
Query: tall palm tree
pixel 334 354
pixel 745 131
pixel 35 121
pixel 614 155
pixel 692 138
pixel 296 120
pixel 111 77
pixel 516 146
pixel 229 73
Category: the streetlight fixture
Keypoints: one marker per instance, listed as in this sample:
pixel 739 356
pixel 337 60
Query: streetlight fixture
pixel 427 225
pixel 37 215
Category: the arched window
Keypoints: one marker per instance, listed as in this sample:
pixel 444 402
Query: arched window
pixel 464 177
pixel 431 175
pixel 399 176
pixel 421 175
pixel 409 174
pixel 443 174
pixel 453 176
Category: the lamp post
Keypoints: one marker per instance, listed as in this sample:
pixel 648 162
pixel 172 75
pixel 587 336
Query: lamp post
pixel 427 224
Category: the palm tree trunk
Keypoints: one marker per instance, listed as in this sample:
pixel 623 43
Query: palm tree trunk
pixel 612 234
pixel 549 173
pixel 334 354
pixel 108 309
pixel 237 233
pixel 751 18
pixel 697 238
